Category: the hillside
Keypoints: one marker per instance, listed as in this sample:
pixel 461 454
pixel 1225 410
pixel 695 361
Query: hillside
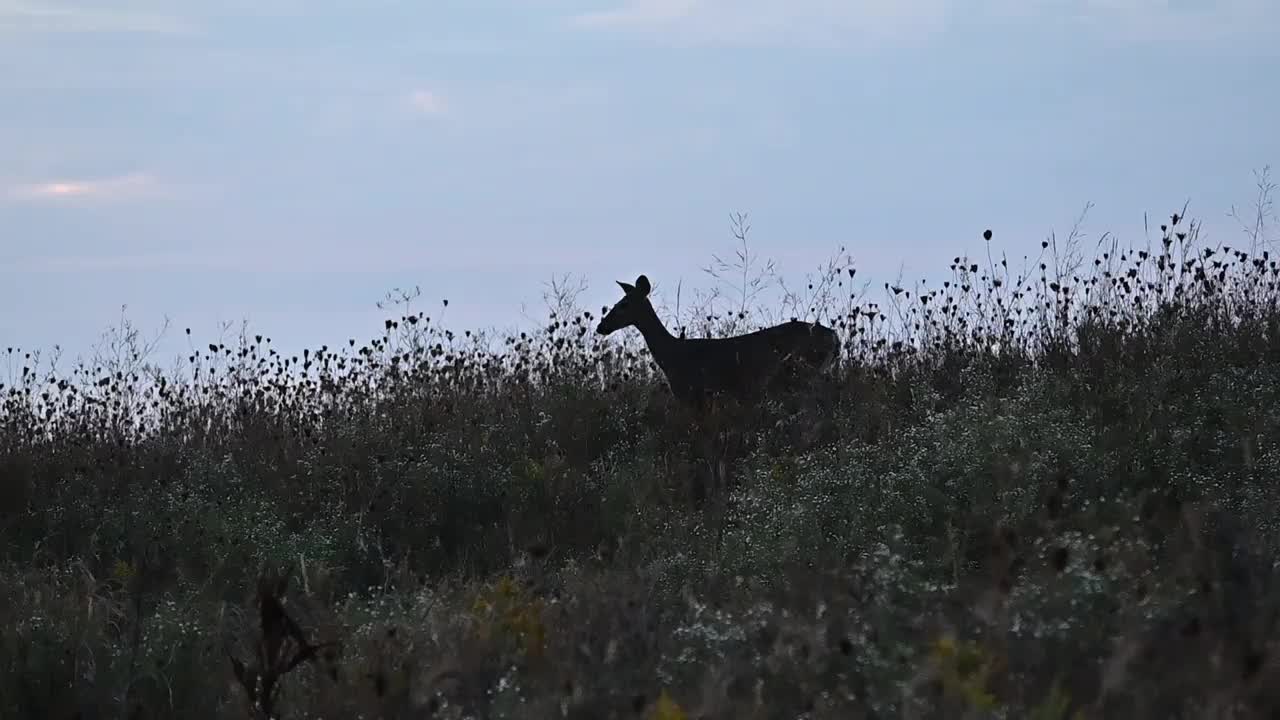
pixel 1046 492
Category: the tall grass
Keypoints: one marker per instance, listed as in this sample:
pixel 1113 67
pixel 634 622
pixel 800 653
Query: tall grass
pixel 1034 489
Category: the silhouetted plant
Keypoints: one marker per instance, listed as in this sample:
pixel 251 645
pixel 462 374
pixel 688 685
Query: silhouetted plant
pixel 1029 487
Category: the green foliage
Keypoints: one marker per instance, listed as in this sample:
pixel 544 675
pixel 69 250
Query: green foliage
pixel 1046 493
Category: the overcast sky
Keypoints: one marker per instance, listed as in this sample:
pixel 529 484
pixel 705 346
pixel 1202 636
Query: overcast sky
pixel 290 162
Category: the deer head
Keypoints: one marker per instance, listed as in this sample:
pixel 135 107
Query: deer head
pixel 633 308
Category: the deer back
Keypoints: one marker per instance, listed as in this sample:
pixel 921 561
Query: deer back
pixel 745 365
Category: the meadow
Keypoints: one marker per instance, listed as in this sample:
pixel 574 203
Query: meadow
pixel 1042 487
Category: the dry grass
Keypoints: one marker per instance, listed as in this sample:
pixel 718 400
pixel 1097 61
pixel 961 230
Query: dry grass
pixel 1043 493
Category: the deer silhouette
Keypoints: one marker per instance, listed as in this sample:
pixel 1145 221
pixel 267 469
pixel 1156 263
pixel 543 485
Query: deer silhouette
pixel 742 367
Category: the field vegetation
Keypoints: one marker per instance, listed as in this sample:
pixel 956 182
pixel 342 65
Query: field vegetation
pixel 1042 487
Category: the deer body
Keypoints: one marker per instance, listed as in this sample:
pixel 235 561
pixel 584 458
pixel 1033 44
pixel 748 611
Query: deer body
pixel 743 366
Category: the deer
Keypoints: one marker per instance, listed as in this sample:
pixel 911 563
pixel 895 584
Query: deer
pixel 701 372
pixel 742 367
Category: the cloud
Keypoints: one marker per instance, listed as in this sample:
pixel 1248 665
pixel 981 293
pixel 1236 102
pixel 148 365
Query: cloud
pixel 284 259
pixel 768 22
pixel 638 13
pixel 868 22
pixel 112 263
pixel 120 187
pixel 46 16
pixel 427 102
pixel 1194 22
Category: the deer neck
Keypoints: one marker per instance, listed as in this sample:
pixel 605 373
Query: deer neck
pixel 655 334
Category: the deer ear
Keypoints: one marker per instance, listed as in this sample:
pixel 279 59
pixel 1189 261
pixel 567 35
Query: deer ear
pixel 642 284
pixel 627 288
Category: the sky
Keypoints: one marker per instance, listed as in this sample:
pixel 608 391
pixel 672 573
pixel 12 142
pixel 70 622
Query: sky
pixel 289 163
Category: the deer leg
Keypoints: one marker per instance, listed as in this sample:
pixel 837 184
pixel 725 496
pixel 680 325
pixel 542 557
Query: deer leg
pixel 698 487
pixel 718 499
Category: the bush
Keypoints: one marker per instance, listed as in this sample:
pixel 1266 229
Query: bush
pixel 1045 494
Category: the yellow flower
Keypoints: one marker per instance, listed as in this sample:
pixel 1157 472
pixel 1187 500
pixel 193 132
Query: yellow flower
pixel 944 647
pixel 667 709
pixel 964 670
pixel 123 571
